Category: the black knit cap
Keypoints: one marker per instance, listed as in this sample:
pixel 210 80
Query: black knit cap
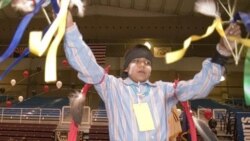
pixel 138 51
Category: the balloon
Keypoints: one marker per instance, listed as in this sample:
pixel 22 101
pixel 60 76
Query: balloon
pixel 13 82
pixel 208 114
pixel 45 88
pixel 20 98
pixel 26 74
pixel 65 62
pixel 59 84
pixel 8 103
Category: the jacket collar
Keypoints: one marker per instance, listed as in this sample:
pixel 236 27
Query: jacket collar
pixel 129 81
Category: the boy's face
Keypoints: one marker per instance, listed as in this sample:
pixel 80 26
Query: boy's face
pixel 139 69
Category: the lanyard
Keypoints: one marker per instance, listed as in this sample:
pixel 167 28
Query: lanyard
pixel 139 93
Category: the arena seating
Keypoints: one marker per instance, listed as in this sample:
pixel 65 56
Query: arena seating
pixel 207 103
pixel 99 126
pixel 30 132
pixel 47 124
pixel 98 133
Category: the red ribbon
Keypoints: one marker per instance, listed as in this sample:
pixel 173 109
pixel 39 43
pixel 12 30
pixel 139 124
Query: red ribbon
pixel 186 108
pixel 72 135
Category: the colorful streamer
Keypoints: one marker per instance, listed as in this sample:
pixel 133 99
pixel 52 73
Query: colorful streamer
pixel 55 6
pixel 17 60
pixel 39 45
pixel 245 18
pixel 186 108
pixel 247 78
pixel 21 29
pixel 16 39
pixel 174 56
pixel 73 129
pixel 19 32
pixel 192 129
pixel 50 64
pixel 209 8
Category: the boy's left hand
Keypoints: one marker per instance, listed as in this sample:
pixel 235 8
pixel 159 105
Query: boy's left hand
pixel 224 47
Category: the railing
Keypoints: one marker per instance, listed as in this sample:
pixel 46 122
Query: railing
pixel 49 115
pixel 30 115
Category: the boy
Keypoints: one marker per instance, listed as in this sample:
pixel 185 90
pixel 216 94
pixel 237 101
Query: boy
pixel 138 109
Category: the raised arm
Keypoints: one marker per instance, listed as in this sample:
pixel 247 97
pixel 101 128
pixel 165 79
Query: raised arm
pixel 80 56
pixel 212 69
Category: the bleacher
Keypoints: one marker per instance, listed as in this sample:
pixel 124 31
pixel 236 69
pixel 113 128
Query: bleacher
pixel 46 124
pixel 31 124
pixel 29 132
pixel 207 103
pixel 43 123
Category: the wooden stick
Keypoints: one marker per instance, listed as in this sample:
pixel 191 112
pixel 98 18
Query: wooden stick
pixel 46 15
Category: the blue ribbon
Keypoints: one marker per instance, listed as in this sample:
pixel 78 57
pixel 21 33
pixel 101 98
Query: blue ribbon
pixel 19 32
pixel 16 39
pixel 55 6
pixel 25 53
pixel 56 9
pixel 18 35
pixel 245 18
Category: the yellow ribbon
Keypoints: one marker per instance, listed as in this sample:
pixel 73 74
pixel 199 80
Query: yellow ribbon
pixel 220 30
pixel 245 42
pixel 39 45
pixel 174 56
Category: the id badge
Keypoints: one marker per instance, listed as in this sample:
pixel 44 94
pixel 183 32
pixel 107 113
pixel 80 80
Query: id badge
pixel 143 117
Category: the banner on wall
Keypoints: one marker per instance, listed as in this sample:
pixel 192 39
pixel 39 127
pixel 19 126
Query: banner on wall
pixel 243 126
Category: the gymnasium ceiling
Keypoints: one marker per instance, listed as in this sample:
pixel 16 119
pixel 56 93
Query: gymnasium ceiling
pixel 138 8
pixel 119 22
